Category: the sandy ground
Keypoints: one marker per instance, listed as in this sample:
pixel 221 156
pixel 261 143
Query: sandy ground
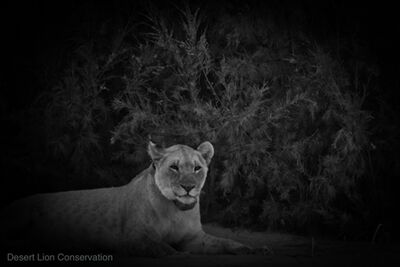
pixel 286 250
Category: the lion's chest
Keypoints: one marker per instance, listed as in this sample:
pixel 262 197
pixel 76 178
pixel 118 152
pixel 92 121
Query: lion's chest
pixel 178 228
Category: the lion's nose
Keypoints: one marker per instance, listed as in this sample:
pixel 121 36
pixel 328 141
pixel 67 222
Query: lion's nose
pixel 187 187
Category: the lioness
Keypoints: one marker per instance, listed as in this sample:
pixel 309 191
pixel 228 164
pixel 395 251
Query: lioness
pixel 156 214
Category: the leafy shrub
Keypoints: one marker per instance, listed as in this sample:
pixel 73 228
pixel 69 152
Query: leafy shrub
pixel 282 112
pixel 78 114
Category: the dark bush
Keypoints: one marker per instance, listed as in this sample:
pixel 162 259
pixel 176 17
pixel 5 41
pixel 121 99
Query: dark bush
pixel 284 113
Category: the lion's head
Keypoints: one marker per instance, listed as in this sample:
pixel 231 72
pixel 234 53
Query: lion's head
pixel 181 171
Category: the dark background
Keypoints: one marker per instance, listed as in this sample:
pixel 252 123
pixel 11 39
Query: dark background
pixel 34 32
pixel 38 34
pixel 37 39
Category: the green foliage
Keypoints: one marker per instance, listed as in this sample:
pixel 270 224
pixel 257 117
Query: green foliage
pixel 282 112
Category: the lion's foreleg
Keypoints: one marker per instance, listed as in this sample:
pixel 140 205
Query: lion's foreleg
pixel 204 243
pixel 147 247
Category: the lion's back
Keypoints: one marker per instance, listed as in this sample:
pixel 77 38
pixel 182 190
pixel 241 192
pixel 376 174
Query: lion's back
pixel 85 216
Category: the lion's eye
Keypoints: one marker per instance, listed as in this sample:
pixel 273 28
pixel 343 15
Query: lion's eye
pixel 174 167
pixel 197 168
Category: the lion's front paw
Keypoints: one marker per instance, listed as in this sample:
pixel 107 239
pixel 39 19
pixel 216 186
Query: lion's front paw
pixel 161 250
pixel 262 251
pixel 149 249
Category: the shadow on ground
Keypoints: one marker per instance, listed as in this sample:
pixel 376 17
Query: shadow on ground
pixel 286 250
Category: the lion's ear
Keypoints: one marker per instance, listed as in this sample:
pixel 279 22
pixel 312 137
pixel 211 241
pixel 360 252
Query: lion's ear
pixel 207 151
pixel 155 152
